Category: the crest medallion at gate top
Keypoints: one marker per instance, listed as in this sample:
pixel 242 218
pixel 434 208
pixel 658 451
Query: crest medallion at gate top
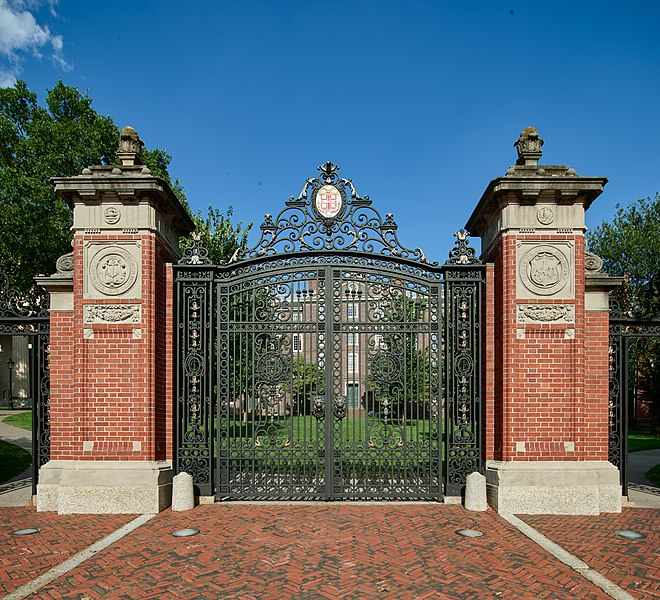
pixel 329 215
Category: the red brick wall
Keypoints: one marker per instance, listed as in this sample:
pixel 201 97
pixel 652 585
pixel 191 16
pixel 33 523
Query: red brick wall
pixel 595 417
pixel 62 402
pixel 489 395
pixel 118 393
pixel 546 390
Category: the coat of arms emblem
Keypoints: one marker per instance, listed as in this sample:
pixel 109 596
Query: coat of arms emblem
pixel 328 201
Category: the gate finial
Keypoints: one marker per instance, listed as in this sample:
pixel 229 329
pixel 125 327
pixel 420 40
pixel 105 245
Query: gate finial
pixel 462 254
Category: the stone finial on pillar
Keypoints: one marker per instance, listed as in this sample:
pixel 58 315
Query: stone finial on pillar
pixel 129 147
pixel 528 146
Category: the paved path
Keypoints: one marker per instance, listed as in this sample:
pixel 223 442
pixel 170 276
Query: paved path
pixel 325 551
pixel 16 491
pixel 639 463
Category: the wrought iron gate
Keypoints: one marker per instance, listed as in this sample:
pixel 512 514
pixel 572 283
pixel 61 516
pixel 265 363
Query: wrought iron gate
pixel 22 316
pixel 329 362
pixel 631 320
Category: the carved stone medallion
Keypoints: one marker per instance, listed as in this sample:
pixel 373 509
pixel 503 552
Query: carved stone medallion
pixel 113 271
pixel 111 215
pixel 544 270
pixel 545 215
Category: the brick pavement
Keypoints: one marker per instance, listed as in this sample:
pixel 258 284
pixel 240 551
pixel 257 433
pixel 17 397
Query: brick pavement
pixel 319 551
pixel 634 565
pixel 22 558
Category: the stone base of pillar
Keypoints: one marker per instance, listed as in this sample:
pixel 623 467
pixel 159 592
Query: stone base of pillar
pixel 104 487
pixel 553 488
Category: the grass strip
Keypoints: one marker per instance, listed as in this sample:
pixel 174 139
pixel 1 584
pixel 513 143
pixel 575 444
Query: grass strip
pixel 22 420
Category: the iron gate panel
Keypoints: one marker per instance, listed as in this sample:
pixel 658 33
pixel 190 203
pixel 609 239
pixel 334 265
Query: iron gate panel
pixel 28 317
pixel 631 321
pixel 330 387
pixel 316 365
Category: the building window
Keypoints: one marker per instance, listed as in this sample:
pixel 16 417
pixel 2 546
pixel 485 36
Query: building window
pixel 353 310
pixel 353 395
pixel 297 343
pixel 353 339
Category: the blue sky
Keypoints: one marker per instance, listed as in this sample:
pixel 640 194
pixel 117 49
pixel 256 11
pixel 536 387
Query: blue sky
pixel 419 102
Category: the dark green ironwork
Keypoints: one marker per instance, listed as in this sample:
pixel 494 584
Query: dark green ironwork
pixel 465 280
pixel 629 322
pixel 28 316
pixel 311 365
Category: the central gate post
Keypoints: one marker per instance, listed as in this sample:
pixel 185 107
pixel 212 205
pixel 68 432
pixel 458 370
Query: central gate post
pixel 549 448
pixel 111 334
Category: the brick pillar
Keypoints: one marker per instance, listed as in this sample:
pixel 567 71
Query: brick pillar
pixel 111 335
pixel 548 425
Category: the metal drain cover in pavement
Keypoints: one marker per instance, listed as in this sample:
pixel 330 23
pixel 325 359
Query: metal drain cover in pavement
pixel 630 535
pixel 185 532
pixel 469 533
pixel 28 531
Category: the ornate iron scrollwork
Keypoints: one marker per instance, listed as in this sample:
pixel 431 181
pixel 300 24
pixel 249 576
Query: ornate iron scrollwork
pixel 28 315
pixel 329 215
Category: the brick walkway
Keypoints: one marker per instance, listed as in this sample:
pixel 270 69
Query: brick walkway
pixel 22 558
pixel 632 564
pixel 316 551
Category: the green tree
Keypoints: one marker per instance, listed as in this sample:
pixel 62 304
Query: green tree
pixel 630 245
pixel 37 143
pixel 219 236
pixel 408 394
pixel 307 380
pixel 59 139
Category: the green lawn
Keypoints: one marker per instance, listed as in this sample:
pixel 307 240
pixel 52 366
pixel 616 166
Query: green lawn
pixel 642 440
pixel 22 420
pixel 13 460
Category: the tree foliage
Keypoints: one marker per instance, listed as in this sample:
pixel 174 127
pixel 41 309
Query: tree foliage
pixel 59 139
pixel 307 380
pixel 630 245
pixel 219 236
pixel 37 143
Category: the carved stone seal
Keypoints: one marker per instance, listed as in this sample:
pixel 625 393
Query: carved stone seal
pixel 544 270
pixel 545 215
pixel 111 215
pixel 113 271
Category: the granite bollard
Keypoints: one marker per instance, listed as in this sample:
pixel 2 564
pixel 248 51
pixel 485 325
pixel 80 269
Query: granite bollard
pixel 183 493
pixel 475 492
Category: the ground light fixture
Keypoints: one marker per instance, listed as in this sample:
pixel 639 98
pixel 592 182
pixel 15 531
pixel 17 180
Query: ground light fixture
pixel 469 532
pixel 187 532
pixel 630 535
pixel 27 531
